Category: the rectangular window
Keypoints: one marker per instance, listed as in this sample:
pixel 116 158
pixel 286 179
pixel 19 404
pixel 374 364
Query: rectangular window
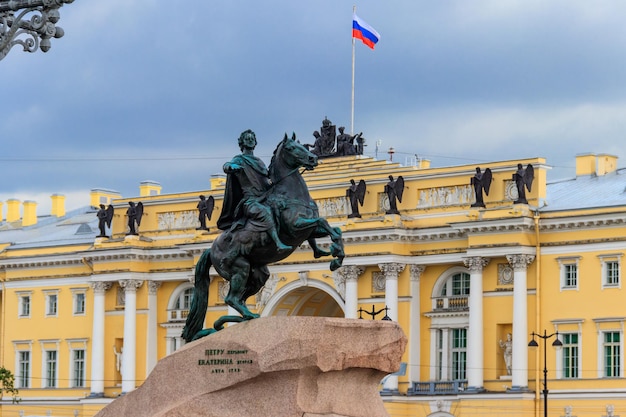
pixel 23 369
pixel 78 365
pixel 24 306
pixel 611 347
pixel 459 354
pixel 570 275
pixel 439 376
pixel 79 303
pixel 51 305
pixel 51 369
pixel 611 273
pixel 570 355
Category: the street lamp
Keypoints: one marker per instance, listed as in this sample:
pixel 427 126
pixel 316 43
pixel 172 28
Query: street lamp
pixel 374 313
pixel 29 23
pixel 533 343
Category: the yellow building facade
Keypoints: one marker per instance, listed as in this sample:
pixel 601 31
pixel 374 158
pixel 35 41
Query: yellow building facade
pixel 86 318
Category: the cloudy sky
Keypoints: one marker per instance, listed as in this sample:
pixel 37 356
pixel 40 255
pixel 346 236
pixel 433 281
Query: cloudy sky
pixel 136 90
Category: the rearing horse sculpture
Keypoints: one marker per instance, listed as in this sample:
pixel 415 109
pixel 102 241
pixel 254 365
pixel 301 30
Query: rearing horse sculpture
pixel 297 220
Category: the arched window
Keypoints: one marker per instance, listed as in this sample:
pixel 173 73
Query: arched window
pixel 448 331
pixel 180 307
pixel 183 302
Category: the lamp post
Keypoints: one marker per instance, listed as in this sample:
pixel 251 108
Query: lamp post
pixel 29 23
pixel 533 343
pixel 374 313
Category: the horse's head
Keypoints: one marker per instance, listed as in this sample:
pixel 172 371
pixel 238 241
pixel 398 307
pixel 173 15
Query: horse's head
pixel 293 154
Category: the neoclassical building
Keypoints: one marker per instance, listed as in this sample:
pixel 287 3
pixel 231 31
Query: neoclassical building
pixel 86 318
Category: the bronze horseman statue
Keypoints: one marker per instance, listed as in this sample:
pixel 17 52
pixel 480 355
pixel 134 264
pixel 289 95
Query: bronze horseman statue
pixel 266 214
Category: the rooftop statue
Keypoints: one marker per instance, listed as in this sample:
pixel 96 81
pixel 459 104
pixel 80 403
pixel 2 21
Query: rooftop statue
pixel 523 178
pixel 394 190
pixel 205 210
pixel 356 195
pixel 481 181
pixel 134 213
pixel 266 214
pixel 105 216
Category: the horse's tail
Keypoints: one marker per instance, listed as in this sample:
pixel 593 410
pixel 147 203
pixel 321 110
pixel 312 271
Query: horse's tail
pixel 200 300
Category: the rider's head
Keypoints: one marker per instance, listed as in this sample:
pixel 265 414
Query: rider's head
pixel 247 136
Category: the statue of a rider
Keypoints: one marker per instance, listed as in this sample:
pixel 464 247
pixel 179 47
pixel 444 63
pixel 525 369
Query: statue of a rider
pixel 247 182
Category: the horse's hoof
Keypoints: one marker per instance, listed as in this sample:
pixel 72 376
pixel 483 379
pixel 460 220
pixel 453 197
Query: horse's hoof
pixel 320 253
pixel 335 264
pixel 251 316
pixel 202 333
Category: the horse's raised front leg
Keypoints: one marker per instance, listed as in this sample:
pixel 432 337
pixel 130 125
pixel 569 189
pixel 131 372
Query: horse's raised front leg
pixel 317 251
pixel 323 228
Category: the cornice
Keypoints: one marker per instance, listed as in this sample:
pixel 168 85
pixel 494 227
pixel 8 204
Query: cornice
pixel 516 224
pixel 589 221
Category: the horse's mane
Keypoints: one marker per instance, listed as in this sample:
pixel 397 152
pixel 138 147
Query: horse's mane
pixel 270 169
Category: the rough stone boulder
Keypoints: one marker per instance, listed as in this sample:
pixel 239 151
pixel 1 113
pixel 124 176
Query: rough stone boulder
pixel 273 367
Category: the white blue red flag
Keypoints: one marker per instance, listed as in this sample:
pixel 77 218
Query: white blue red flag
pixel 363 31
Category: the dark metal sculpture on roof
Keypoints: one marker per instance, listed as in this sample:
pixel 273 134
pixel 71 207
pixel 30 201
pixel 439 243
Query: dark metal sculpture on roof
pixel 245 248
pixel 134 214
pixel 394 190
pixel 481 181
pixel 105 216
pixel 523 178
pixel 205 210
pixel 356 195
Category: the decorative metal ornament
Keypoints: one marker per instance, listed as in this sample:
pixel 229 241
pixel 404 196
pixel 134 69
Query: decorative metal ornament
pixel 30 24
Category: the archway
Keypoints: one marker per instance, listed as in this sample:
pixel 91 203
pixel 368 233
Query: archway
pixel 316 299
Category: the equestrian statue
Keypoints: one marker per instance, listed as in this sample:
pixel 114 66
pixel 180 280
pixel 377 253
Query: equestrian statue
pixel 266 214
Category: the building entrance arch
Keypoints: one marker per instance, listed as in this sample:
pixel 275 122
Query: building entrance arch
pixel 316 299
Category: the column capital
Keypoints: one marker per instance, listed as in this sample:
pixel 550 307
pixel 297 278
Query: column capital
pixel 100 287
pixel 350 272
pixel 153 286
pixel 130 285
pixel 417 271
pixel 476 263
pixel 391 270
pixel 520 262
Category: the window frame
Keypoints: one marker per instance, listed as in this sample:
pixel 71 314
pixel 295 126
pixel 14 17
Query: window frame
pixel 615 348
pixel 52 308
pixel 566 267
pixel 50 368
pixel 21 381
pixel 21 297
pixel 77 293
pixel 605 261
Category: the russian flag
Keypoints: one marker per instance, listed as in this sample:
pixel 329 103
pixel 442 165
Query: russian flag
pixel 363 31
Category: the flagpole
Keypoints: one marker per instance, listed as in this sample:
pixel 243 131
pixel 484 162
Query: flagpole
pixel 352 108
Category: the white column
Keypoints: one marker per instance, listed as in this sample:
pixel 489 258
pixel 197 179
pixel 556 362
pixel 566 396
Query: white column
pixel 151 333
pixel 350 276
pixel 391 272
pixel 414 324
pixel 475 337
pixel 519 361
pixel 129 355
pixel 97 339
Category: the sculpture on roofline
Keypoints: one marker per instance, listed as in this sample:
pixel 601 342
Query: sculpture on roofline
pixel 356 196
pixel 266 214
pixel 105 216
pixel 523 178
pixel 134 214
pixel 205 210
pixel 481 182
pixel 394 190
